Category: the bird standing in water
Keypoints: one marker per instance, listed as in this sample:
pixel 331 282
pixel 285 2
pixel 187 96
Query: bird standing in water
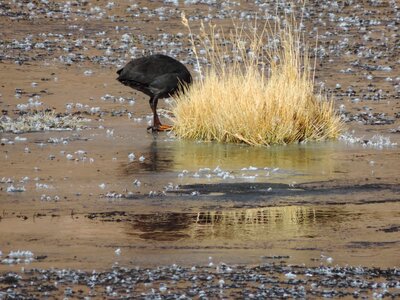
pixel 158 76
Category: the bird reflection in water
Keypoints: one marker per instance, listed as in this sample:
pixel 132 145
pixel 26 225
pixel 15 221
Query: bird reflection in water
pixel 156 160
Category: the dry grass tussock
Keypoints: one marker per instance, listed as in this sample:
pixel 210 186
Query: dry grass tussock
pixel 257 89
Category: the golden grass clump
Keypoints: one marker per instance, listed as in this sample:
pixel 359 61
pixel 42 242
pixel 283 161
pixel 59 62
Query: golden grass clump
pixel 257 89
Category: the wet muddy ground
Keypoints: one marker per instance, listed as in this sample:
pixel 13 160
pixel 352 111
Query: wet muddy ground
pixel 159 217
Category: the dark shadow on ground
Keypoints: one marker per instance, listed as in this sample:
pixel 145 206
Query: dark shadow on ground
pixel 256 191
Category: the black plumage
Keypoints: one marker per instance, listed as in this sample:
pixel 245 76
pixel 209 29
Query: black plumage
pixel 158 76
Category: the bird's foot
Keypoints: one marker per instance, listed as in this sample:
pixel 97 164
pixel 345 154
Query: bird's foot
pixel 165 128
pixel 160 128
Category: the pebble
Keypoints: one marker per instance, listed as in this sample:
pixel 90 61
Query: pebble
pixel 15 189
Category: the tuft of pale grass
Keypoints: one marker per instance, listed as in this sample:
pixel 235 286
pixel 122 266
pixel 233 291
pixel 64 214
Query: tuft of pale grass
pixel 257 89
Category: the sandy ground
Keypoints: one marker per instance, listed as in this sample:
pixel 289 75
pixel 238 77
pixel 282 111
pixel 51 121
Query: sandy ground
pixel 85 205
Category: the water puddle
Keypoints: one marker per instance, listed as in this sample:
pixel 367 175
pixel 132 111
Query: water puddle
pixel 213 160
pixel 343 234
pixel 312 161
pixel 181 201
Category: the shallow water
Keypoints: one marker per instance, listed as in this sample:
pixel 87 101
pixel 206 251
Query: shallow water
pixel 317 203
pixel 335 234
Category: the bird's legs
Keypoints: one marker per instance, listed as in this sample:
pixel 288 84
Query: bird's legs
pixel 157 126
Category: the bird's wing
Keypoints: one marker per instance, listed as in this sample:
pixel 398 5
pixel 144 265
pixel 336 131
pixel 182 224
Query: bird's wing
pixel 164 84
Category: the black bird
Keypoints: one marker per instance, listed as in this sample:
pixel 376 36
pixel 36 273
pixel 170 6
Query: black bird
pixel 158 76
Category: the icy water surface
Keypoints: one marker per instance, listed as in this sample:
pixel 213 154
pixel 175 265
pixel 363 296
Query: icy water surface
pixel 360 235
pixel 183 201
